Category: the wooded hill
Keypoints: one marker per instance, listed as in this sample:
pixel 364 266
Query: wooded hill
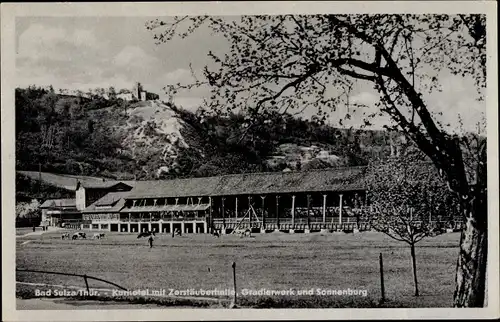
pixel 153 140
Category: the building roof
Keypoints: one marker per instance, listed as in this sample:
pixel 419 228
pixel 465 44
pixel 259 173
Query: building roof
pixel 68 181
pixel 174 188
pixel 58 203
pixel 111 202
pixel 102 184
pixel 338 179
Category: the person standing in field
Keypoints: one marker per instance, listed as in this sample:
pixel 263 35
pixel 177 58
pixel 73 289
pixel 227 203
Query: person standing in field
pixel 150 240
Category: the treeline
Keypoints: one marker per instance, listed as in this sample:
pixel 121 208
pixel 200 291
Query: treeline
pixel 65 134
pixel 27 188
pixel 236 145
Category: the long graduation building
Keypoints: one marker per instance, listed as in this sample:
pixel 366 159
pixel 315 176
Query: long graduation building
pixel 288 201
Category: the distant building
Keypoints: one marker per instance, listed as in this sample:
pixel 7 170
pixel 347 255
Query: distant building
pixel 89 192
pixel 151 96
pixel 55 211
pixel 125 96
pixel 137 93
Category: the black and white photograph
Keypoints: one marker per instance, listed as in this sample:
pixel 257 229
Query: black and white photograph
pixel 249 158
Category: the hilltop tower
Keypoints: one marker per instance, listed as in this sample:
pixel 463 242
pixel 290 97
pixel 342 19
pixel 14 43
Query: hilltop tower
pixel 137 90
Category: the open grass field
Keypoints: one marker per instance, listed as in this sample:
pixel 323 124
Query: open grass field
pixel 270 261
pixel 25 230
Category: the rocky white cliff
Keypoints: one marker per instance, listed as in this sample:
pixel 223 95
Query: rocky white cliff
pixel 154 129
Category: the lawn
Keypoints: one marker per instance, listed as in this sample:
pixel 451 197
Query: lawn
pixel 25 230
pixel 266 261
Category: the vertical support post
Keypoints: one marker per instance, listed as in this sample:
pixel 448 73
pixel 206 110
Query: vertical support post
pixel 293 211
pixel 263 212
pixel 223 215
pixel 236 208
pixel 340 211
pixel 324 209
pixel 382 286
pixel 234 282
pixel 308 211
pixel 249 213
pixel 278 212
pixel 210 214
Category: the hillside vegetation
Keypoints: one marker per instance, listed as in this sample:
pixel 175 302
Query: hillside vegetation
pixel 153 140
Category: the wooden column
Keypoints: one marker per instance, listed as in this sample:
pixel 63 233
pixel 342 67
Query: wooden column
pixel 340 210
pixel 249 212
pixel 236 208
pixel 263 212
pixel 324 209
pixel 278 211
pixel 210 226
pixel 223 213
pixel 293 211
pixel 308 211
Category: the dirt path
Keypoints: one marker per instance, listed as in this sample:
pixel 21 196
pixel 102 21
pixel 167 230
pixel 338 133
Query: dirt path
pixel 67 304
pixel 40 232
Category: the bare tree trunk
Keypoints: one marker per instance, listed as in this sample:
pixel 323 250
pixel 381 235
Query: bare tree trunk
pixel 471 264
pixel 414 263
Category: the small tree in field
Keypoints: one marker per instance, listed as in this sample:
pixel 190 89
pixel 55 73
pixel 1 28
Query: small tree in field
pixel 406 197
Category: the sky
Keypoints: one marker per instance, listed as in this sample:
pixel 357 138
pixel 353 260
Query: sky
pixel 89 52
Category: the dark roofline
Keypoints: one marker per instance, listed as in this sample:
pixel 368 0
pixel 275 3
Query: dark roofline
pixel 222 177
pixel 265 173
pixel 101 184
pixel 93 207
pixel 71 200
